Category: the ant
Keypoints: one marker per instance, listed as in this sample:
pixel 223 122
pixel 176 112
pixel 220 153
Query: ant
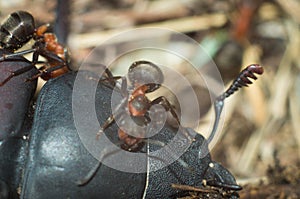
pixel 145 77
pixel 16 31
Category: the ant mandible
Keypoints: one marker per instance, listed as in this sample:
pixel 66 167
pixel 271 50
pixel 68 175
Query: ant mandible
pixel 17 30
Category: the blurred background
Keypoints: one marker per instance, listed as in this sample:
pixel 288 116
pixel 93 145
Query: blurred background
pixel 260 141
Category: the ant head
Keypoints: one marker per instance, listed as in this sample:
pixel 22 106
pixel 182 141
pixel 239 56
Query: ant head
pixel 145 73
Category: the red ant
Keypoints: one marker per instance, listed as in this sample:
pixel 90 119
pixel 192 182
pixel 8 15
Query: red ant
pixel 17 30
pixel 144 77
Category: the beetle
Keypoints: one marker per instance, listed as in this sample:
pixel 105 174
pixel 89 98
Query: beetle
pixel 16 95
pixel 57 158
pixel 15 122
pixel 16 31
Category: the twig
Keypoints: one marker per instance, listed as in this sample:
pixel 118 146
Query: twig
pixel 191 188
pixel 183 25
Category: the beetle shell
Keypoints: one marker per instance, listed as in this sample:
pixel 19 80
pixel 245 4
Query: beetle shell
pixel 13 155
pixel 57 158
pixel 15 96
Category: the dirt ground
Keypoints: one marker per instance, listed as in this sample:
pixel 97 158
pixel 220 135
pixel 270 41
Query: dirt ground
pixel 260 139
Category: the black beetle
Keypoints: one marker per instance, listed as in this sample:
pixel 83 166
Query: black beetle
pixel 15 120
pixel 58 159
pixel 16 95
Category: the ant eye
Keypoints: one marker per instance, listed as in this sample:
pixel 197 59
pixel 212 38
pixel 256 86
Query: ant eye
pixel 144 72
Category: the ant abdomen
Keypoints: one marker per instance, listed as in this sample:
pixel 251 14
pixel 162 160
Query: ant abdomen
pixel 16 30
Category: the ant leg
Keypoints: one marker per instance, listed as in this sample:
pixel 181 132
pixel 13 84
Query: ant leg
pixel 51 56
pixel 167 105
pixel 106 124
pixel 117 111
pixel 106 74
pixel 109 78
pixel 20 53
pixel 16 73
pixel 122 90
pixel 45 70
